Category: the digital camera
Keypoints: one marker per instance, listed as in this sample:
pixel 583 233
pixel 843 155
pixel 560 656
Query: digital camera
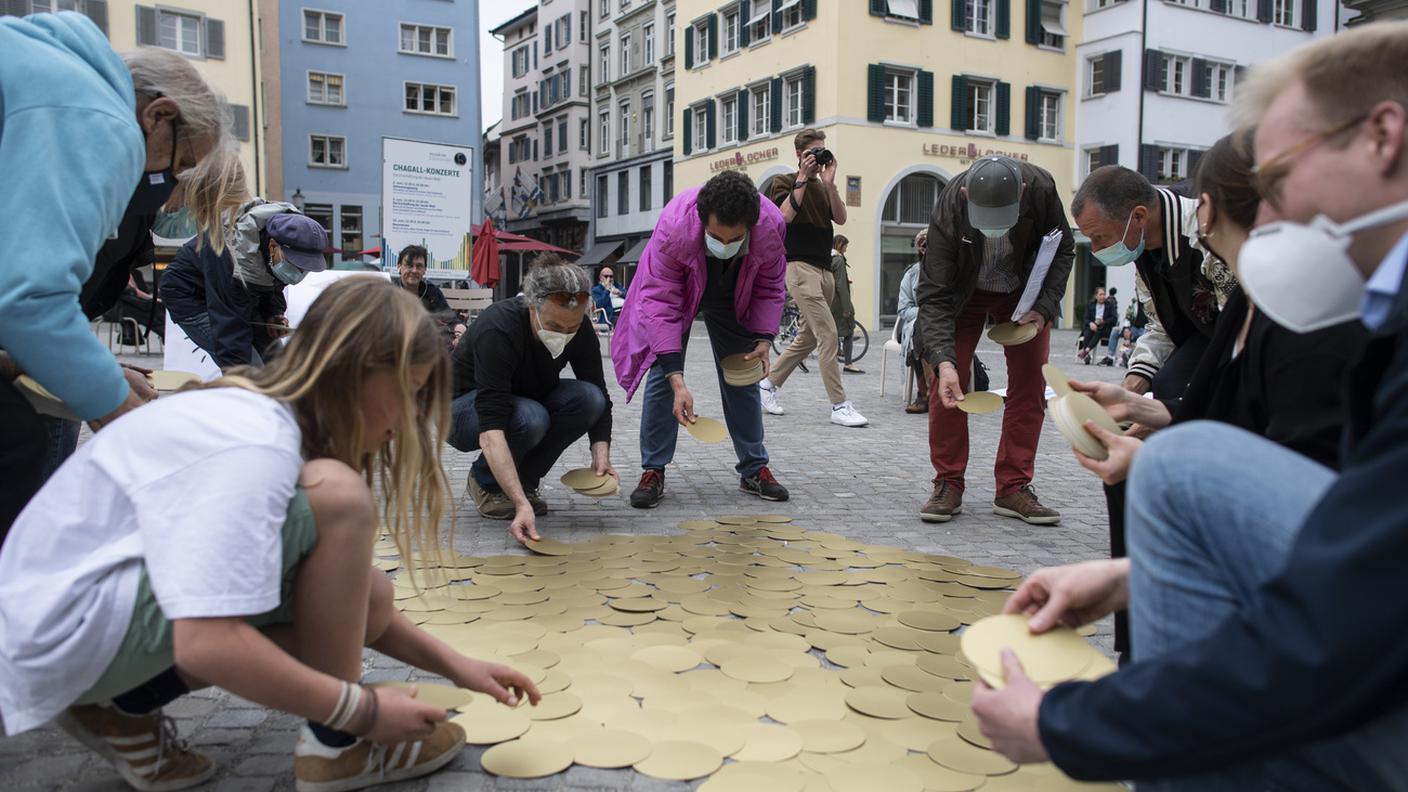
pixel 823 157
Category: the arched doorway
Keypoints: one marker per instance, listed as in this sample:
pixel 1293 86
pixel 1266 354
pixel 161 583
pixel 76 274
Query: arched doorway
pixel 909 200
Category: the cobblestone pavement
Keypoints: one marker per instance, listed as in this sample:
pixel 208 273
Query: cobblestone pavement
pixel 866 483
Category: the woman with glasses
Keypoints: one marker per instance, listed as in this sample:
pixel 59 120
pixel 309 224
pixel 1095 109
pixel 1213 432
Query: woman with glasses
pixel 511 402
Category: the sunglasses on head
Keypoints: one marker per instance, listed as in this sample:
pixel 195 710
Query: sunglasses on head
pixel 567 299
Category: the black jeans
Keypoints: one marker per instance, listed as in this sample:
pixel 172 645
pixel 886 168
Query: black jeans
pixel 22 454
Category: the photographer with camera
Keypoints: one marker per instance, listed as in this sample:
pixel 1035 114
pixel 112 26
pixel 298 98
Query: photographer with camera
pixel 812 207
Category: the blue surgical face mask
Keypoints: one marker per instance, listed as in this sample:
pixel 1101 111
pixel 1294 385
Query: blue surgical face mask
pixel 1119 254
pixel 288 273
pixel 721 250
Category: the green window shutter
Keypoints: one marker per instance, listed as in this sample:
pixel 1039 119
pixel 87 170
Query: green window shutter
pixel 775 122
pixel 875 93
pixel 1308 12
pixel 1004 19
pixel 1004 109
pixel 1033 112
pixel 926 99
pixel 926 12
pixel 689 47
pixel 1153 70
pixel 146 25
pixel 688 130
pixel 709 124
pixel 776 16
pixel 809 95
pixel 1033 21
pixel 742 100
pixel 809 9
pixel 214 39
pixel 877 8
pixel 958 118
pixel 97 10
pixel 745 11
pixel 958 15
pixel 713 36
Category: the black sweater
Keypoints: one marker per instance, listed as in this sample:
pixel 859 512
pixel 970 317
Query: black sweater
pixel 501 357
pixel 199 282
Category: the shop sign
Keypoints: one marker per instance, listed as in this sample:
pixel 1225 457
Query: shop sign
pixel 967 151
pixel 740 160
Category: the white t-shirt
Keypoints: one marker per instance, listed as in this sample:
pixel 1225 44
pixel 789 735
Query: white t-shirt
pixel 1100 312
pixel 195 486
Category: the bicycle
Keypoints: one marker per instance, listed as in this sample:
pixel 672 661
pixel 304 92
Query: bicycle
pixel 791 325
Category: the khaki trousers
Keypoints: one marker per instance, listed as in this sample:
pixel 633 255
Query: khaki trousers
pixel 812 289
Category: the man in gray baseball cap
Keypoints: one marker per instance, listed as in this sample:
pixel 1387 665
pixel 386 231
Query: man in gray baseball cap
pixel 984 236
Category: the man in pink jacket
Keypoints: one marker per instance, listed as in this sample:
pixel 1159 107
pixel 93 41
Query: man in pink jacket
pixel 717 250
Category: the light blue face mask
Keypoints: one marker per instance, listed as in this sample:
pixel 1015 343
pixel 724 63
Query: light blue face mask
pixel 720 250
pixel 288 273
pixel 174 225
pixel 1119 254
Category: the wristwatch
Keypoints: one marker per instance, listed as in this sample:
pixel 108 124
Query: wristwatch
pixel 799 183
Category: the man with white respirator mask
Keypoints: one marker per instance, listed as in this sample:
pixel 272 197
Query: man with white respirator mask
pixel 511 402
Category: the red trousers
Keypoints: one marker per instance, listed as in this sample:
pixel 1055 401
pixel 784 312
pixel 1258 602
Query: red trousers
pixel 1022 414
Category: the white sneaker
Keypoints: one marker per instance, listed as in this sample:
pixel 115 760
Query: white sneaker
pixel 771 405
pixel 846 415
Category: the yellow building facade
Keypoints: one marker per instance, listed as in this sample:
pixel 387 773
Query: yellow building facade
pixel 908 93
pixel 219 38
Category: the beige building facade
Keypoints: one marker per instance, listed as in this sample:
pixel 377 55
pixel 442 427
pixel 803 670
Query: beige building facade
pixel 908 93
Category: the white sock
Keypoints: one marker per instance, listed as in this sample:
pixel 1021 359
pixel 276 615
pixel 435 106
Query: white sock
pixel 766 384
pixel 840 405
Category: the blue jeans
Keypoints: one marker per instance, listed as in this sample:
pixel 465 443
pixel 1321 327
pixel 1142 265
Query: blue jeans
pixel 537 433
pixel 743 410
pixel 62 441
pixel 1212 513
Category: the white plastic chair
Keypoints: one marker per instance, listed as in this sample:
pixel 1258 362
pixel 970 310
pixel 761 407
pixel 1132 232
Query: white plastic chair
pixel 893 345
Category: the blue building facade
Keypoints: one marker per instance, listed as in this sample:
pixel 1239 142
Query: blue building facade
pixel 351 72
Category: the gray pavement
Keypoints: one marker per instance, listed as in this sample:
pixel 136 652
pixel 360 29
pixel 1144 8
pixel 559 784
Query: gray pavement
pixel 866 483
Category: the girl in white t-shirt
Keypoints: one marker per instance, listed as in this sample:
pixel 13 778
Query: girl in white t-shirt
pixel 223 536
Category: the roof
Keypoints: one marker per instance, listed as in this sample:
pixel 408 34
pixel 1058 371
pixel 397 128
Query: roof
pixel 531 13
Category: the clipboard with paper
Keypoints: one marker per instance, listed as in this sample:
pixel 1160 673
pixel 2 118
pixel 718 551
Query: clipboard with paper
pixel 1044 256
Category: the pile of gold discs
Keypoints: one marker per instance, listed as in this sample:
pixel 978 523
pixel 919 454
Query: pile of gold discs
pixel 585 481
pixel 747 651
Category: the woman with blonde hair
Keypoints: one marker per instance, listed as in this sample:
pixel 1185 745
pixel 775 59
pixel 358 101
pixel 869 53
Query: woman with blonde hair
pixel 223 536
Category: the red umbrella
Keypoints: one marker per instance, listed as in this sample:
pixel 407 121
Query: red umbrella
pixel 533 245
pixel 484 256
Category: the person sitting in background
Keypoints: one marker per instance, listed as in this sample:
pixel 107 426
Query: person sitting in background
pixel 717 251
pixel 1135 321
pixel 911 351
pixel 410 275
pixel 605 294
pixel 1101 315
pixel 231 303
pixel 843 311
pixel 142 307
pixel 511 402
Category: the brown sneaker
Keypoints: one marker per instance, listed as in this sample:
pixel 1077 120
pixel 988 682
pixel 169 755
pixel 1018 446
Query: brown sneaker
pixel 318 768
pixel 144 749
pixel 494 505
pixel 946 501
pixel 1023 505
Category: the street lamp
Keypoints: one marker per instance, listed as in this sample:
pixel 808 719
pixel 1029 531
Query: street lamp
pixel 297 199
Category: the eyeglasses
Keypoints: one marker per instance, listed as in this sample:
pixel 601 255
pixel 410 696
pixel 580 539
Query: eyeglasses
pixel 419 265
pixel 1268 176
pixel 566 299
pixel 607 277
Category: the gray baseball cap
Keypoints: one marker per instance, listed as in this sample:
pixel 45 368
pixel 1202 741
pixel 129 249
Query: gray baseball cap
pixel 302 238
pixel 994 193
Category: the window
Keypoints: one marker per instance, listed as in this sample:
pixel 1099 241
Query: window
pixel 792 100
pixel 582 128
pixel 547 139
pixel 179 32
pixel 625 141
pixel 644 188
pixel 1095 68
pixel 730 43
pixel 912 200
pixel 520 61
pixel 667 182
pixel 1283 12
pixel 1099 4
pixel 603 131
pixel 520 106
pixel 791 14
pixel 1173 164
pixel 647 35
pixel 604 64
pixel 426 40
pixel 583 80
pixel 670 111
pixel 670 33
pixel 728 107
pixel 1049 117
pixel 700 31
pixel 601 205
pixel 582 26
pixel 562 135
pixel 980 110
pixel 582 183
pixel 322 27
pixel 1053 30
pixel 1174 72
pixel 1246 9
pixel 565 176
pixel 647 121
pixel 563 31
pixel 433 99
pixel 760 24
pixel 351 229
pixel 325 89
pixel 761 99
pixel 978 17
pixel 625 54
pixel 321 213
pixel 1220 82
pixel 1094 158
pixel 904 9
pixel 899 96
pixel 327 151
pixel 623 192
pixel 605 10
pixel 701 128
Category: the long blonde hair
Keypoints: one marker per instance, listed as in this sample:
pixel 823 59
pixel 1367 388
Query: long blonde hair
pixel 359 325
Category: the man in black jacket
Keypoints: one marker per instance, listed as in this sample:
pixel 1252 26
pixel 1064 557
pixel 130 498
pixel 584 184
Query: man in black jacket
pixel 1273 656
pixel 983 241
pixel 410 275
